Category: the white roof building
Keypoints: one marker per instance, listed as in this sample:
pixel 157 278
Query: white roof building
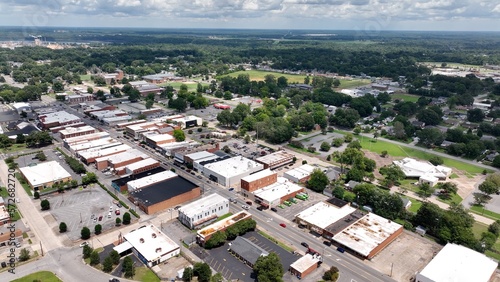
pixel 203 210
pixel 258 175
pixel 230 171
pixel 273 193
pixel 455 263
pixel 152 244
pixel 44 173
pixel 86 138
pixel 77 130
pixel 416 169
pixel 321 215
pixel 149 180
pixel 92 144
pixel 21 106
pixel 300 173
pixel 93 154
pixel 61 117
pixel 122 157
pixel 140 164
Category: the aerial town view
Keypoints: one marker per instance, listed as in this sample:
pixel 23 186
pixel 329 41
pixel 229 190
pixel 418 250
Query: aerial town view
pixel 252 141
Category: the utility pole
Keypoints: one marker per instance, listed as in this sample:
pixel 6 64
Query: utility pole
pixel 392 266
pixel 81 220
pixel 41 248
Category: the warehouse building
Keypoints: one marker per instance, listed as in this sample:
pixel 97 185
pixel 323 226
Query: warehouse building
pixel 246 251
pixel 120 159
pixel 165 194
pixel 189 121
pixel 276 159
pixel 150 245
pixel 205 233
pixel 120 184
pixel 203 210
pixel 257 180
pixel 320 216
pixel 455 263
pixel 230 171
pixel 85 138
pixel 276 193
pixel 44 175
pixel 305 265
pixel 21 107
pixel 57 119
pixel 149 180
pixel 300 174
pixel 156 140
pixel 69 132
pixel 89 156
pixel 141 166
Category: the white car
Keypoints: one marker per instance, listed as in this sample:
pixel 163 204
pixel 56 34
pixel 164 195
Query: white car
pixel 245 207
pixel 84 244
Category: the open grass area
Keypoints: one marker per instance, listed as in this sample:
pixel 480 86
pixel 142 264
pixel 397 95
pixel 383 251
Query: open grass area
pixel 224 216
pixel 25 185
pixel 415 205
pixel 85 77
pixel 45 276
pixel 352 83
pixel 478 228
pixel 145 274
pixel 405 97
pixel 258 75
pixel 486 213
pixel 192 86
pixel 453 176
pixel 272 239
pixel 455 198
pixel 14 148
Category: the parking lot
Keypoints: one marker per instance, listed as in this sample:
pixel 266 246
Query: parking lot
pixel 83 207
pixel 232 268
pixel 289 212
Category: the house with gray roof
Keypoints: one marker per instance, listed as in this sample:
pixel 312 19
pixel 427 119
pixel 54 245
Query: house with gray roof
pixel 247 251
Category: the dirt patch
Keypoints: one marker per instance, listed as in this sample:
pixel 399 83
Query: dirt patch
pixel 379 160
pixel 168 270
pixel 404 257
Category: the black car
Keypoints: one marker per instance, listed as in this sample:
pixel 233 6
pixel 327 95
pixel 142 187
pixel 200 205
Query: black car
pixel 274 209
pixel 328 243
pixel 305 244
pixel 260 208
pixel 113 280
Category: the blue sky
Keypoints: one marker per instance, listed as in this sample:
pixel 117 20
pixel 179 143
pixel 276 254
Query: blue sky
pixel 362 15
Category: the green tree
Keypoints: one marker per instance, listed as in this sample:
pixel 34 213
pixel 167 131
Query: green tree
pixel 107 265
pixel 128 267
pixel 475 115
pixel 202 271
pixel 36 195
pixel 425 190
pixel 179 135
pixel 436 160
pixel 268 268
pixel 89 178
pixel 332 274
pixel 187 275
pixel 94 258
pixel 325 146
pixel 126 218
pixel 149 104
pixel 337 142
pixel 495 228
pixel 24 255
pixel 87 250
pixel 216 240
pixel 98 229
pixel 430 137
pixel 118 221
pixel 115 257
pixel 85 233
pixel 318 181
pixel 217 277
pixel 45 204
pixel 488 187
pixel 62 227
pixel 20 138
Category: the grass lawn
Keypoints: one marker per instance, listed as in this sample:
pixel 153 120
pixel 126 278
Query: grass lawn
pixel 486 213
pixel 25 185
pixel 405 97
pixel 455 198
pixel 85 77
pixel 453 176
pixel 352 83
pixel 14 148
pixel 145 274
pixel 415 205
pixel 303 150
pixel 478 228
pixel 258 75
pixel 192 86
pixel 45 276
pixel 224 216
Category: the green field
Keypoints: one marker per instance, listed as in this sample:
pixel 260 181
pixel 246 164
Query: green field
pixel 455 198
pixel 486 213
pixel 85 77
pixel 415 205
pixel 405 97
pixel 394 150
pixel 145 274
pixel 44 276
pixel 177 85
pixel 14 148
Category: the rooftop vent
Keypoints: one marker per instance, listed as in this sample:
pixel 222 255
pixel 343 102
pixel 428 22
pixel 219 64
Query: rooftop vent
pixel 141 240
pixel 153 235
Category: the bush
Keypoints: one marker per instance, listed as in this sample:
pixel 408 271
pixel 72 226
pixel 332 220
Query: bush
pixel 436 160
pixel 325 147
pixel 118 221
pixel 94 258
pixel 87 250
pixel 36 195
pixel 126 218
pixel 199 129
pixel 98 229
pixel 311 149
pixel 135 213
pixel 297 144
pixel 337 142
pixel 45 204
pixel 85 233
pixel 304 162
pixel 63 227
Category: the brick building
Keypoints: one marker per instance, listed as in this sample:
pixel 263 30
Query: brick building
pixel 258 180
pixel 276 159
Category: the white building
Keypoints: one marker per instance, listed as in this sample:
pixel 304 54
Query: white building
pixel 45 174
pixel 425 171
pixel 149 180
pixel 203 210
pixel 300 174
pixel 189 121
pixel 150 245
pixel 455 263
pixel 229 172
pixel 276 193
pixel 318 217
pixel 22 107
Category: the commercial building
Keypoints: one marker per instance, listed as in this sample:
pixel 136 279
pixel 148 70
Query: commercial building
pixel 369 235
pixel 198 156
pixel 230 171
pixel 111 121
pixel 150 245
pixel 4 213
pixel 57 119
pixel 180 155
pixel 300 174
pixel 161 195
pixel 44 175
pixel 305 265
pixel 120 184
pixel 455 263
pixel 99 144
pixel 21 107
pixel 320 216
pixel 85 138
pixel 276 159
pixel 120 160
pixel 156 140
pixel 424 171
pixel 59 128
pixel 135 130
pixel 246 251
pixel 188 121
pixel 150 180
pixel 89 156
pixel 276 193
pixel 142 166
pixel 205 233
pixel 125 124
pixel 203 210
pixel 69 132
pixel 79 98
pixel 100 115
pixel 258 180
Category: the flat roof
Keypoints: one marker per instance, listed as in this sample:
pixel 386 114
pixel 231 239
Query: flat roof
pixel 275 157
pixel 323 214
pixel 219 225
pixel 141 164
pixel 60 117
pixel 415 168
pixel 97 135
pixel 108 151
pixel 71 130
pixel 150 180
pixel 99 147
pixel 124 124
pixel 123 156
pixel 160 137
pixel 125 179
pixel 277 190
pixel 233 166
pixel 200 205
pixel 163 190
pixel 367 233
pixel 301 171
pixel 44 172
pixel 455 263
pixel 116 118
pixel 199 155
pixel 258 175
pixel 92 143
pixel 305 262
pixel 151 243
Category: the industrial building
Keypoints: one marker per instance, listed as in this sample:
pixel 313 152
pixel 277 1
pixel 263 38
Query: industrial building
pixel 119 160
pixel 276 193
pixel 85 138
pixel 300 174
pixel 57 119
pixel 455 263
pixel 155 140
pixel 305 265
pixel 44 175
pixel 165 194
pixel 203 210
pixel 141 166
pixel 257 180
pixel 276 159
pixel 320 216
pixel 21 107
pixel 189 121
pixel 150 245
pixel 89 156
pixel 69 132
pixel 246 251
pixel 149 180
pixel 229 172
pixel 205 233
pixel 120 184
pixel 424 171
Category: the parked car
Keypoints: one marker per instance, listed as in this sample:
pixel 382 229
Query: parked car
pixel 113 280
pixel 117 212
pixel 328 243
pixel 84 244
pixel 249 203
pixel 177 207
pixel 231 189
pixel 245 207
pixel 260 208
pixel 283 225
pixel 100 217
pixel 305 244
pixel 340 249
pixel 274 209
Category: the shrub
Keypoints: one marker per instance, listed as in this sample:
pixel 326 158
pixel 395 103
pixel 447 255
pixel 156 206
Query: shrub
pixel 63 227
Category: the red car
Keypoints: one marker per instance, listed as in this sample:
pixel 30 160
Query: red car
pixel 283 225
pixel 100 218
pixel 117 212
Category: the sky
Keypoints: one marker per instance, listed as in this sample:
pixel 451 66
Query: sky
pixel 360 15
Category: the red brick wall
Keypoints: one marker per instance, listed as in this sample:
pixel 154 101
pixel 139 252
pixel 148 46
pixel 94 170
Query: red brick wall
pixel 172 202
pixel 259 183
